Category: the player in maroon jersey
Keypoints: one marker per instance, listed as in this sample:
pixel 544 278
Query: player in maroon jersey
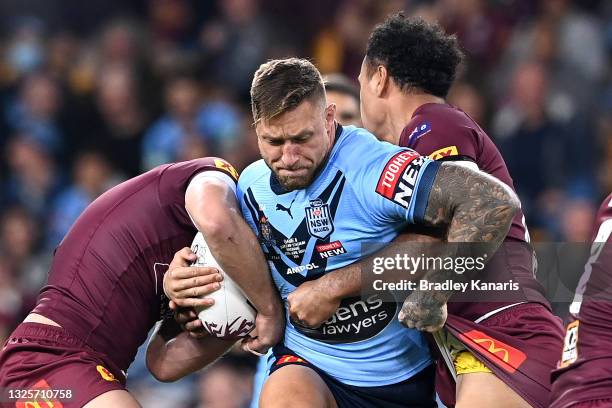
pixel 405 77
pixel 500 351
pixel 105 289
pixel 584 376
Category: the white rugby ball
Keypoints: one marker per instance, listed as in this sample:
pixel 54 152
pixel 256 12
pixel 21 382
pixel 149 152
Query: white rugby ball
pixel 231 316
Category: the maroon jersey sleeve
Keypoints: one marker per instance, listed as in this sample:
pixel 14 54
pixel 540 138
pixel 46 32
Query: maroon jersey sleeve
pixel 604 215
pixel 180 174
pixel 105 282
pixel 596 281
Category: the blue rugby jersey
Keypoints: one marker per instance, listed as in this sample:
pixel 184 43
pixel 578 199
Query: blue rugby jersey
pixel 368 191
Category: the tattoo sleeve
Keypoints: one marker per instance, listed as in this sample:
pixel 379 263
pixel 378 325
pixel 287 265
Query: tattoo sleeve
pixel 468 209
pixel 476 210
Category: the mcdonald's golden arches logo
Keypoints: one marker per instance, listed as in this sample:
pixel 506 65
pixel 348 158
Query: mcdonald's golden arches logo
pixel 496 351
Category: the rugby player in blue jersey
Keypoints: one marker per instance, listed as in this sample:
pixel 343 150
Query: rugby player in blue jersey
pixel 320 192
pixel 373 364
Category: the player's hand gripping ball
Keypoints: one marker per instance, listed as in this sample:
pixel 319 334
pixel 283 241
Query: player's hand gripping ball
pixel 231 316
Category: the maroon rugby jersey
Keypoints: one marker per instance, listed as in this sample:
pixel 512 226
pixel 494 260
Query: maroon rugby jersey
pixel 444 132
pixel 585 372
pixel 105 282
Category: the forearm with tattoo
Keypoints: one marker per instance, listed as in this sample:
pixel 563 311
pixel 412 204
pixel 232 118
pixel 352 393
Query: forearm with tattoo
pixel 478 210
pixel 474 212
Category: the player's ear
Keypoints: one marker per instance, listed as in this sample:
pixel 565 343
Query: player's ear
pixel 330 116
pixel 382 80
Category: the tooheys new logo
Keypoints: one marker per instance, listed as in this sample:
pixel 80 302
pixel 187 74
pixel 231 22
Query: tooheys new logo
pixel 399 177
pixel 356 319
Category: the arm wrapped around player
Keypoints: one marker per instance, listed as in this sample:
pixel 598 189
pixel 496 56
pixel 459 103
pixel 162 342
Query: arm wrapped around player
pixel 477 210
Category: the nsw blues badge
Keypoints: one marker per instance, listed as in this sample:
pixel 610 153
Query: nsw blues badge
pixel 318 219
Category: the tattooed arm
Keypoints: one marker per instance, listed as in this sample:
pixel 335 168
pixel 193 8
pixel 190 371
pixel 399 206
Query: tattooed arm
pixel 469 205
pixel 478 209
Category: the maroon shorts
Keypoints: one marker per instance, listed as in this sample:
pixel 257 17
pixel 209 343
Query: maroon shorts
pixel 519 345
pixel 586 381
pixel 585 368
pixel 47 358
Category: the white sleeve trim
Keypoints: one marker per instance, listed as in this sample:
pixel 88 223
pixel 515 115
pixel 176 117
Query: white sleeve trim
pixel 204 176
pixel 467 163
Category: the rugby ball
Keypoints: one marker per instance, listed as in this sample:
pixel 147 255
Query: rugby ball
pixel 231 316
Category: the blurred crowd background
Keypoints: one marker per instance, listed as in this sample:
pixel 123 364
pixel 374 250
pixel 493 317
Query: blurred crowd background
pixel 94 92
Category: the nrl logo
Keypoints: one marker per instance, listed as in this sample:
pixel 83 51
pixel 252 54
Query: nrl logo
pixel 318 220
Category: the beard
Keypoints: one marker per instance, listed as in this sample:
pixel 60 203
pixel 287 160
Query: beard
pixel 293 182
pixel 297 181
pixel 290 183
